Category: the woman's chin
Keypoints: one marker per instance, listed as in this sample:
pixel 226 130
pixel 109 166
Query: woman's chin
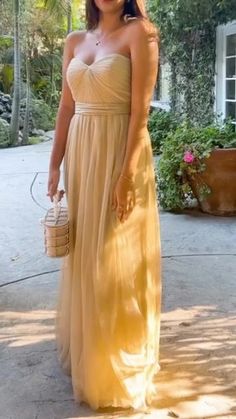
pixel 109 5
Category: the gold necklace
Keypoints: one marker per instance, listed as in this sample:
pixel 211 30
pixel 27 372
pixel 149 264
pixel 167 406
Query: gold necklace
pixel 98 41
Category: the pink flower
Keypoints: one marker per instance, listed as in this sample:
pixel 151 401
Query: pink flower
pixel 188 157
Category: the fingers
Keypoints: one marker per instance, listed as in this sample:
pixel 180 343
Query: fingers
pixel 131 204
pixel 53 181
pixel 114 200
pixel 60 194
pixel 124 210
pixel 52 191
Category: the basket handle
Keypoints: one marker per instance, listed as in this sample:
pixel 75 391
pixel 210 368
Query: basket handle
pixel 57 204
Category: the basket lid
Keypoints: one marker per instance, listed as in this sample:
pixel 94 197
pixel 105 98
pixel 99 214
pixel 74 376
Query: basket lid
pixel 58 218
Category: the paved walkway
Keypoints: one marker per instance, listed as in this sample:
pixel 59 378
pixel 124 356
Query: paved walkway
pixel 198 343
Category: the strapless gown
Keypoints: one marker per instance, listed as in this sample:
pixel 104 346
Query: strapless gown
pixel 108 310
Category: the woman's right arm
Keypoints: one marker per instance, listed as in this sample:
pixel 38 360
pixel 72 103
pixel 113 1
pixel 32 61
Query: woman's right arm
pixel 64 115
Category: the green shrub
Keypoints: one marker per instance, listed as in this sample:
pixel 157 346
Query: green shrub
pixel 35 140
pixel 4 133
pixel 174 191
pixel 160 124
pixel 43 117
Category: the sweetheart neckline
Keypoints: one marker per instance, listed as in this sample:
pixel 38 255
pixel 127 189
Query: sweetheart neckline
pixel 102 58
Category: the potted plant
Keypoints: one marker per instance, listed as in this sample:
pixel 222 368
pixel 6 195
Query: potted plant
pixel 199 163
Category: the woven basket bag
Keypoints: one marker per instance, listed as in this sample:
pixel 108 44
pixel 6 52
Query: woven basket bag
pixel 56 230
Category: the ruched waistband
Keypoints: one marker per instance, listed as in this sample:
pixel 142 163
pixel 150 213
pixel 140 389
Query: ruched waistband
pixel 102 108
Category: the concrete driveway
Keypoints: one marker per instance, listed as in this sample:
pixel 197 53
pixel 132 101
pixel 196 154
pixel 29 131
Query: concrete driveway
pixel 198 343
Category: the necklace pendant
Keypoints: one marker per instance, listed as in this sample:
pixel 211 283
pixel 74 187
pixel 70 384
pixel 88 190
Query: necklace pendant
pixel 98 42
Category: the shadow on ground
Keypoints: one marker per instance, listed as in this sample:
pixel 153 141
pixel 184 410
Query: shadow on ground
pixel 198 368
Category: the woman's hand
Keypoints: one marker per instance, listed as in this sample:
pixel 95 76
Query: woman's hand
pixel 123 197
pixel 53 180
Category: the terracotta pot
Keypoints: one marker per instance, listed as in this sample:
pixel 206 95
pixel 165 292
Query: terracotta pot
pixel 220 176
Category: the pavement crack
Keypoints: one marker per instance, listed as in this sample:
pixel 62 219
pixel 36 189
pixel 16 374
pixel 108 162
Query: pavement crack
pixel 28 277
pixel 163 257
pixel 51 401
pixel 197 254
pixel 20 173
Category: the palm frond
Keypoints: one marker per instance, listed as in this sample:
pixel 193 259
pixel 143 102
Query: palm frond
pixel 59 8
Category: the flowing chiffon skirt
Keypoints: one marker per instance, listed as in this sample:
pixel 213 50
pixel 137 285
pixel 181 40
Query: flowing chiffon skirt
pixel 108 311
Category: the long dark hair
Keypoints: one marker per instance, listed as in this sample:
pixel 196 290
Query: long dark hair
pixel 132 8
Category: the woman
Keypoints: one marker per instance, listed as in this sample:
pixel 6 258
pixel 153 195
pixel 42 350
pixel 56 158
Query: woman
pixel 108 314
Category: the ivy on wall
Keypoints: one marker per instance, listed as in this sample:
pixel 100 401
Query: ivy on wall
pixel 188 41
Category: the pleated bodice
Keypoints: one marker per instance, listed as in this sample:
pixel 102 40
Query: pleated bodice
pixel 89 84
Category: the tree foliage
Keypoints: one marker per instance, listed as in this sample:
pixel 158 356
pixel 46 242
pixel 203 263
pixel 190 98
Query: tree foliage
pixel 42 28
pixel 188 40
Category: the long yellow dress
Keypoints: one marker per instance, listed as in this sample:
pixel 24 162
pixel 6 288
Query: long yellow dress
pixel 108 313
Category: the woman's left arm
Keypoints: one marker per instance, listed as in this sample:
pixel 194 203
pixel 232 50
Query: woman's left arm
pixel 144 58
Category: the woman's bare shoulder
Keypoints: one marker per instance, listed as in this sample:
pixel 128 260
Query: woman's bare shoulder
pixel 135 22
pixel 74 38
pixel 142 28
